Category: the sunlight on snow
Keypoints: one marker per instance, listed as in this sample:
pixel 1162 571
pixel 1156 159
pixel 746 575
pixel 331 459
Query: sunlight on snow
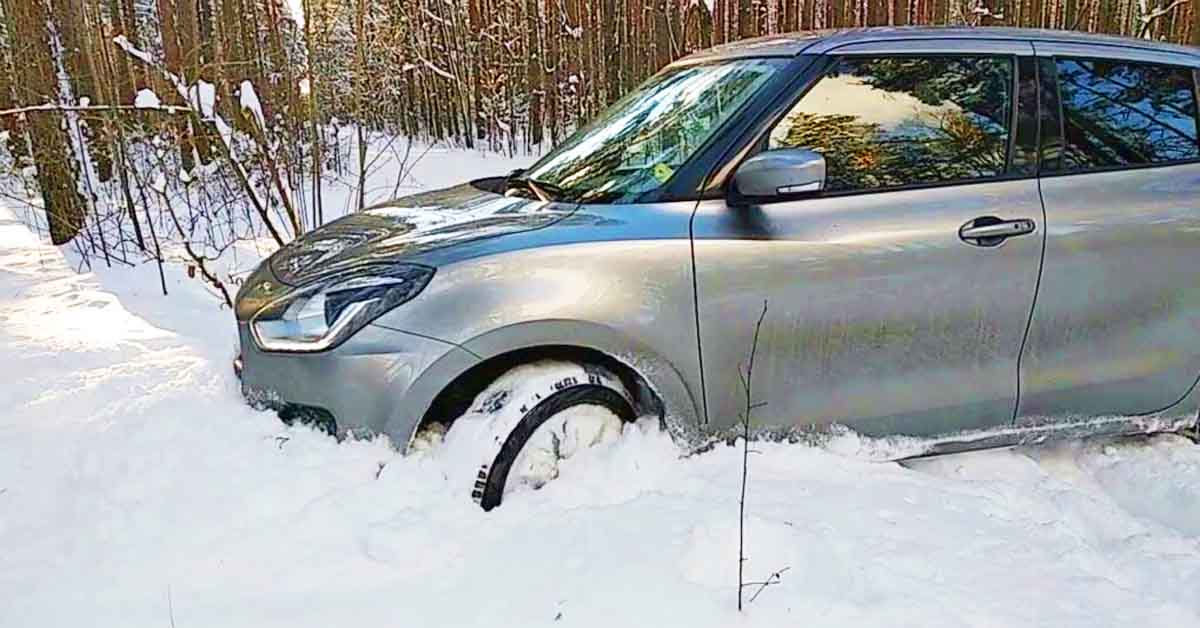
pixel 57 307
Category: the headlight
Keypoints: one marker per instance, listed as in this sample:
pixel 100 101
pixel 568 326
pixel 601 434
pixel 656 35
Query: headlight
pixel 322 315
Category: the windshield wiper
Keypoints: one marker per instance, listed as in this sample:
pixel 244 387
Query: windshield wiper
pixel 545 192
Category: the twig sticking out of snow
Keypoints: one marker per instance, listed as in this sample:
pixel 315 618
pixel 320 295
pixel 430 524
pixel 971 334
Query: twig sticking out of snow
pixel 746 380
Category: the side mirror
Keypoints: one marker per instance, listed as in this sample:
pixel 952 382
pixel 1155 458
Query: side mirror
pixel 780 172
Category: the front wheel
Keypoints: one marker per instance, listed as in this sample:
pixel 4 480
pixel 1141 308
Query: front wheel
pixel 535 416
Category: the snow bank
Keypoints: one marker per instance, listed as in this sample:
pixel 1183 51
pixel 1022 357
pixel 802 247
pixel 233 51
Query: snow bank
pixel 147 99
pixel 137 489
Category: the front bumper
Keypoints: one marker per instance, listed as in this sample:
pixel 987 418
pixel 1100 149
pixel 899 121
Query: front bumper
pixel 364 384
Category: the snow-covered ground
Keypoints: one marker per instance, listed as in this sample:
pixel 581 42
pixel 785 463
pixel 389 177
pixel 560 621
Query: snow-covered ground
pixel 136 489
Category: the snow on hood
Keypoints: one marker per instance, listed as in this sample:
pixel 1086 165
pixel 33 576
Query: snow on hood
pixel 410 226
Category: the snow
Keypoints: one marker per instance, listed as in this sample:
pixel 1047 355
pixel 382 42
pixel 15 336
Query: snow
pixel 436 70
pixel 136 488
pixel 296 9
pixel 203 98
pixel 248 98
pixel 159 183
pixel 476 437
pixel 128 47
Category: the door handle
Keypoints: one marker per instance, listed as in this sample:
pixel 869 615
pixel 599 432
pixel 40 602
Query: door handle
pixel 991 231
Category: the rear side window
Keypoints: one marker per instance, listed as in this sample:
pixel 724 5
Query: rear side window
pixel 885 122
pixel 1117 113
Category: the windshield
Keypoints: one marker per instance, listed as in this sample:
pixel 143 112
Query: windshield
pixel 637 144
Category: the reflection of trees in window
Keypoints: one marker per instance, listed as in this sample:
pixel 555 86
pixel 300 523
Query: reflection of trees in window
pixel 639 142
pixel 922 120
pixel 1117 114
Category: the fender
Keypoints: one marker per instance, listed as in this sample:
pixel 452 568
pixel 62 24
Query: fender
pixel 681 411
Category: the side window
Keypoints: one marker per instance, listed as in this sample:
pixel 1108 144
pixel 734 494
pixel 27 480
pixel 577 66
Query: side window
pixel 1117 113
pixel 893 121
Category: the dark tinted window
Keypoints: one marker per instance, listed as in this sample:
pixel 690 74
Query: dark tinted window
pixel 893 121
pixel 1051 134
pixel 1025 148
pixel 1122 114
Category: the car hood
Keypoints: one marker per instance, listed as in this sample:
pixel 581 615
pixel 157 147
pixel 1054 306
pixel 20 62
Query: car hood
pixel 410 226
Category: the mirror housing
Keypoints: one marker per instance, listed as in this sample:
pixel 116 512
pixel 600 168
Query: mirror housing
pixel 782 172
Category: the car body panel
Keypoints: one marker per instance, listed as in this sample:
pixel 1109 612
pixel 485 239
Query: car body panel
pixel 673 388
pixel 364 382
pixel 824 41
pixel 980 44
pixel 1123 49
pixel 1116 329
pixel 879 316
pixel 408 227
pixel 613 278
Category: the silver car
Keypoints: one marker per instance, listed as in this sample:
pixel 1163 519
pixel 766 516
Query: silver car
pixel 975 238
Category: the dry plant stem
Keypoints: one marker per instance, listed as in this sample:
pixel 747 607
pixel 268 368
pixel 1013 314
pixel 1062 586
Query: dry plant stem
pixel 226 150
pixel 774 578
pixel 158 257
pixel 198 259
pixel 122 164
pixel 746 378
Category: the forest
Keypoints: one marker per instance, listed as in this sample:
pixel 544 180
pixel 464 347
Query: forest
pixel 141 126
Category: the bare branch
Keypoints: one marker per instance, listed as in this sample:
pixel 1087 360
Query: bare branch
pixel 57 108
pixel 747 380
pixel 774 578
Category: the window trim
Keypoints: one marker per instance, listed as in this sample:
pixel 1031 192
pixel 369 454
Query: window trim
pixel 1196 91
pixel 833 59
pixel 1062 118
pixel 1037 103
pixel 1016 113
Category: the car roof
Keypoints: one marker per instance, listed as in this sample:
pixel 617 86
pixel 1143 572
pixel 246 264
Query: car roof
pixel 823 41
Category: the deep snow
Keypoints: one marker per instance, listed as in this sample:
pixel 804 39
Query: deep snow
pixel 136 489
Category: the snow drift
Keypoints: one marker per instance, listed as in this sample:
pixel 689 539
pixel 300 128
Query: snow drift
pixel 136 489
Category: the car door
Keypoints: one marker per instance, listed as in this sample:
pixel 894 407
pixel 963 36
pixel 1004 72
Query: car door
pixel 882 314
pixel 1116 329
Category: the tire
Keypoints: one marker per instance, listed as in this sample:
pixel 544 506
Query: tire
pixel 1193 432
pixel 516 409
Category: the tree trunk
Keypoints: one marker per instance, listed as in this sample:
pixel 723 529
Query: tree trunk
pixel 1195 23
pixel 52 154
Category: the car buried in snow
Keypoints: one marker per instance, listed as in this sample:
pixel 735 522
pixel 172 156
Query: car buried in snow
pixel 971 237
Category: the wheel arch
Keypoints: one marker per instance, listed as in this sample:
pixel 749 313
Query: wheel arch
pixel 447 387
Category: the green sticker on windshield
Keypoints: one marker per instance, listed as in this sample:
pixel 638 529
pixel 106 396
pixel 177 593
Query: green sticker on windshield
pixel 662 172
